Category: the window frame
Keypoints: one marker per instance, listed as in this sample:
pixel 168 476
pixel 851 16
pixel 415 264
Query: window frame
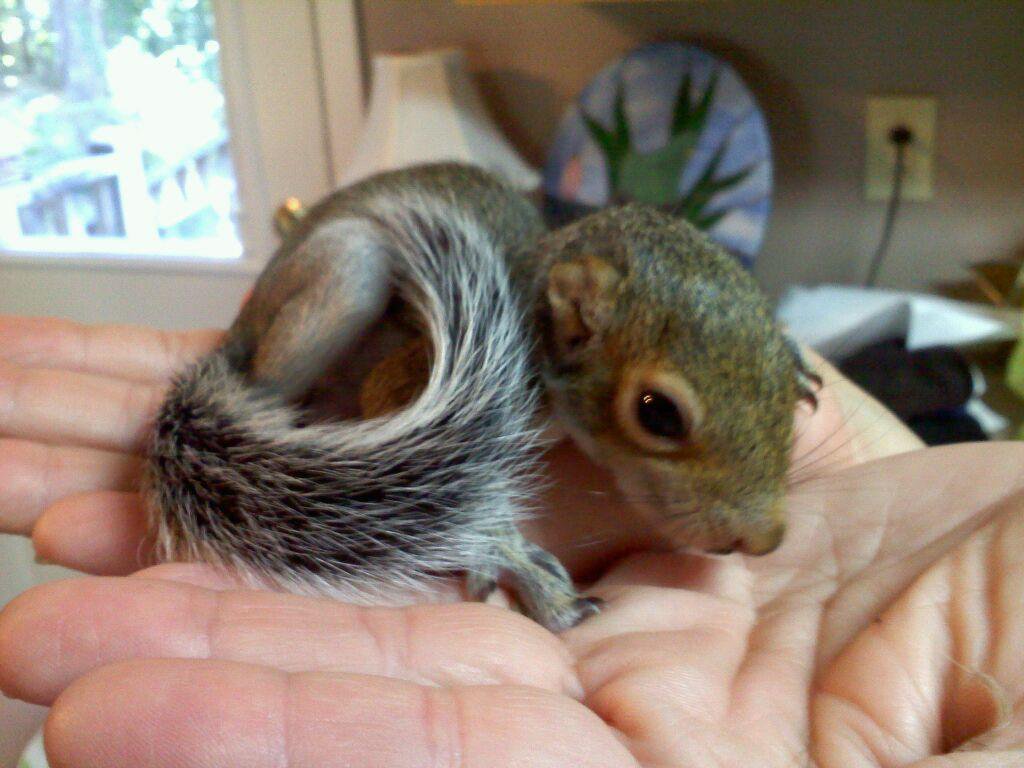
pixel 292 77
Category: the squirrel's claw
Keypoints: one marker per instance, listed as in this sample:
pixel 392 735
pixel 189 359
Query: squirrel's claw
pixel 813 377
pixel 809 395
pixel 589 606
pixel 809 381
pixel 539 582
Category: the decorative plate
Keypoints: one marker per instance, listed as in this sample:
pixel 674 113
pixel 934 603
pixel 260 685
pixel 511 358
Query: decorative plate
pixel 670 125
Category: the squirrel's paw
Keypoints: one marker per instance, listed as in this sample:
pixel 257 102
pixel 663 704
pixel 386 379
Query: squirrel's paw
pixel 809 382
pixel 480 586
pixel 565 611
pixel 540 583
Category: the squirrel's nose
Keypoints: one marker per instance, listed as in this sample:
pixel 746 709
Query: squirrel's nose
pixel 762 542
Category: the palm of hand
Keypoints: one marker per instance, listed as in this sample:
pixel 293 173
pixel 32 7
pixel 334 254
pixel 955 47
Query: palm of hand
pixel 858 643
pixel 881 633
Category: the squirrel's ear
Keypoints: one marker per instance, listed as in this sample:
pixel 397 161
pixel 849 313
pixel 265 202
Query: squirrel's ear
pixel 581 295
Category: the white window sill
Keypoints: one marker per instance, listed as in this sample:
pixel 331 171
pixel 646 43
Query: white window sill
pixel 182 256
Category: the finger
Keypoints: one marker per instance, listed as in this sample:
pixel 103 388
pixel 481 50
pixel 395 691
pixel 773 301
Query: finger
pixel 680 645
pixel 123 351
pixel 662 592
pixel 198 575
pixel 76 408
pixel 947 653
pixel 222 578
pixel 871 530
pixel 174 713
pixel 658 662
pixel 848 427
pixel 1013 759
pixel 57 632
pixel 34 475
pixel 725 578
pixel 101 533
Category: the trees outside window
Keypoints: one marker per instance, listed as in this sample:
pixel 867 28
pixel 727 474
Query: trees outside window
pixel 112 123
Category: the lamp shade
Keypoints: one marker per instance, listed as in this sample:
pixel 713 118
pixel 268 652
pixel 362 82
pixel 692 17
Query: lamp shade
pixel 425 108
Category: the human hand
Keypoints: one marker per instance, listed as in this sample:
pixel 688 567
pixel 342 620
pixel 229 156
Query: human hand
pixel 876 634
pixel 76 404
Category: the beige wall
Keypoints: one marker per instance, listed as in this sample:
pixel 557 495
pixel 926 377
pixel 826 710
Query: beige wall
pixel 811 64
pixel 185 298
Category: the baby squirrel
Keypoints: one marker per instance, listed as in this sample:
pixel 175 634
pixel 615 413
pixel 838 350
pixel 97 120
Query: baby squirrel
pixel 651 346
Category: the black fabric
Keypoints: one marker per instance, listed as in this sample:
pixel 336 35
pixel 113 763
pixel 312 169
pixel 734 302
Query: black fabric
pixel 927 388
pixel 947 427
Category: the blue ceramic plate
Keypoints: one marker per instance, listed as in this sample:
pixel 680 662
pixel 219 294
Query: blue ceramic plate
pixel 670 125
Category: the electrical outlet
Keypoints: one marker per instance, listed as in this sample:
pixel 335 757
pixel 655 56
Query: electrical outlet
pixel 884 114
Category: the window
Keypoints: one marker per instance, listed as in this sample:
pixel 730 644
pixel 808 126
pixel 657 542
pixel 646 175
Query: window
pixel 113 131
pixel 291 77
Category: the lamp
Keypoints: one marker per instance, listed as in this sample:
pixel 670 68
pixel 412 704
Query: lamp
pixel 425 108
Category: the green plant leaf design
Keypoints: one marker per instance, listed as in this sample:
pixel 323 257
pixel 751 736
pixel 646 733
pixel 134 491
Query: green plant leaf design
pixel 1015 368
pixel 700 114
pixel 681 113
pixel 706 221
pixel 605 141
pixel 621 122
pixel 614 144
pixel 694 203
pixel 653 177
pixel 643 177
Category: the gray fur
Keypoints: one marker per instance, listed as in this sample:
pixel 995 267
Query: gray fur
pixel 244 473
pixel 359 508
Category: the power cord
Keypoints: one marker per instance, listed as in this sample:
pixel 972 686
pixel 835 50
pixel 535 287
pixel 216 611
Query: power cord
pixel 900 136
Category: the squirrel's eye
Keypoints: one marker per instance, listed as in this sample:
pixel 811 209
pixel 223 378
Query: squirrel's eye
pixel 659 416
pixel 657 410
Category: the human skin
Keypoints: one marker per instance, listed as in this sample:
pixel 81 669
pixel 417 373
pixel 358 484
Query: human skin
pixel 887 630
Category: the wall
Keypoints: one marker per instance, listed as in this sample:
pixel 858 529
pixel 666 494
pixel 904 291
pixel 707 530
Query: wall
pixel 811 64
pixel 165 299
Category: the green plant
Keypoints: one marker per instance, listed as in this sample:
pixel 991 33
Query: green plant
pixel 1015 365
pixel 653 177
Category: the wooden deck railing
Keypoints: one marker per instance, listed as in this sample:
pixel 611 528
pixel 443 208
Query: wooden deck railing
pixel 111 192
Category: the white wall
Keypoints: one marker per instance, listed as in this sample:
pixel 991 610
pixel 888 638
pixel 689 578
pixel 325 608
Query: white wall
pixel 168 299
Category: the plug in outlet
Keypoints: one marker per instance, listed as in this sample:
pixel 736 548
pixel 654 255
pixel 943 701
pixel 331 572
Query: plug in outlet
pixel 884 114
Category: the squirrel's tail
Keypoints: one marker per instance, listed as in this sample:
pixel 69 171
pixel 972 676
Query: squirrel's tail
pixel 236 478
